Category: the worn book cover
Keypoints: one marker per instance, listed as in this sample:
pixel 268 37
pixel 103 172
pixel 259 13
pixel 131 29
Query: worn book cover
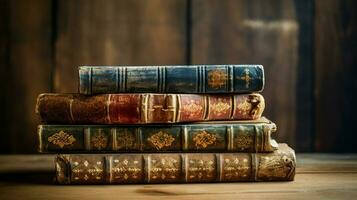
pixel 224 136
pixel 147 108
pixel 176 167
pixel 171 79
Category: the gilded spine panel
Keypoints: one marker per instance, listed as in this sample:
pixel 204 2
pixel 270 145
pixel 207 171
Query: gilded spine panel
pixel 176 167
pixel 254 136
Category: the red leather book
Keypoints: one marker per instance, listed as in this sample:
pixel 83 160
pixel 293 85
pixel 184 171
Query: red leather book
pixel 147 108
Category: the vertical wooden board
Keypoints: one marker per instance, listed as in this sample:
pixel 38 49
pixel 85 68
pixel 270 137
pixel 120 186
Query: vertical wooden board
pixel 113 32
pixel 253 32
pixel 26 74
pixel 4 51
pixel 305 77
pixel 336 70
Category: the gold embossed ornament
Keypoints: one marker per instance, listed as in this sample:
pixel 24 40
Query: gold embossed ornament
pixel 61 139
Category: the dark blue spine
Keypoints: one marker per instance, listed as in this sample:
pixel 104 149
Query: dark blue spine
pixel 171 79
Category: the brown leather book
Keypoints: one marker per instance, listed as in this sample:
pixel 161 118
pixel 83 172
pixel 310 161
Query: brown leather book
pixel 147 108
pixel 176 167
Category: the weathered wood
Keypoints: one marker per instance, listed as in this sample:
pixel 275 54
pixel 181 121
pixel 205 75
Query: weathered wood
pixel 4 51
pixel 113 32
pixel 26 72
pixel 319 176
pixel 249 32
pixel 336 69
pixel 305 76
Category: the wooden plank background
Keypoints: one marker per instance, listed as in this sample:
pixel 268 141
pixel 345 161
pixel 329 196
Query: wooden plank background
pixel 308 48
pixel 336 70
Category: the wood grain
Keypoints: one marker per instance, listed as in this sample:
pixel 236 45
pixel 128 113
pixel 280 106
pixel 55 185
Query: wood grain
pixel 26 71
pixel 253 32
pixel 319 176
pixel 336 68
pixel 305 77
pixel 117 33
pixel 4 66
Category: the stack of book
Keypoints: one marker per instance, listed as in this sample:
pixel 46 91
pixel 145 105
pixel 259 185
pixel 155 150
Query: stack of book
pixel 163 124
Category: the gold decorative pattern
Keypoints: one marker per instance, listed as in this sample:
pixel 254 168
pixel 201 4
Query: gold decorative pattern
pixel 126 170
pixel 99 141
pixel 61 139
pixel 88 170
pixel 217 79
pixel 246 78
pixel 244 141
pixel 192 107
pixel 203 139
pixel 236 168
pixel 245 107
pixel 164 168
pixel 125 140
pixel 161 139
pixel 201 169
pixel 220 107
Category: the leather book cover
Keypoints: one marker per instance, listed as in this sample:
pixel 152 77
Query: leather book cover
pixel 224 136
pixel 176 167
pixel 147 108
pixel 171 79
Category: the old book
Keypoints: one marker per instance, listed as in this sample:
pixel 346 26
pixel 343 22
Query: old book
pixel 171 79
pixel 147 108
pixel 230 136
pixel 176 167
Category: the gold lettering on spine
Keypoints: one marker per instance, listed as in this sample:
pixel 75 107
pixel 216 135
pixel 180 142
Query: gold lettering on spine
pixel 108 108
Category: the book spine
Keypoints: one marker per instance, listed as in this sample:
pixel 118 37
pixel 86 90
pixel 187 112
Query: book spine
pixel 147 108
pixel 175 167
pixel 171 79
pixel 187 138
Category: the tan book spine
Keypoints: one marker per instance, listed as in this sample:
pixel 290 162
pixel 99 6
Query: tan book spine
pixel 176 167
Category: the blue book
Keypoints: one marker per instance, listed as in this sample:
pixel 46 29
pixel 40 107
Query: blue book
pixel 171 79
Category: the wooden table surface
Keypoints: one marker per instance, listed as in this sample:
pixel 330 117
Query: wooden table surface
pixel 319 176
